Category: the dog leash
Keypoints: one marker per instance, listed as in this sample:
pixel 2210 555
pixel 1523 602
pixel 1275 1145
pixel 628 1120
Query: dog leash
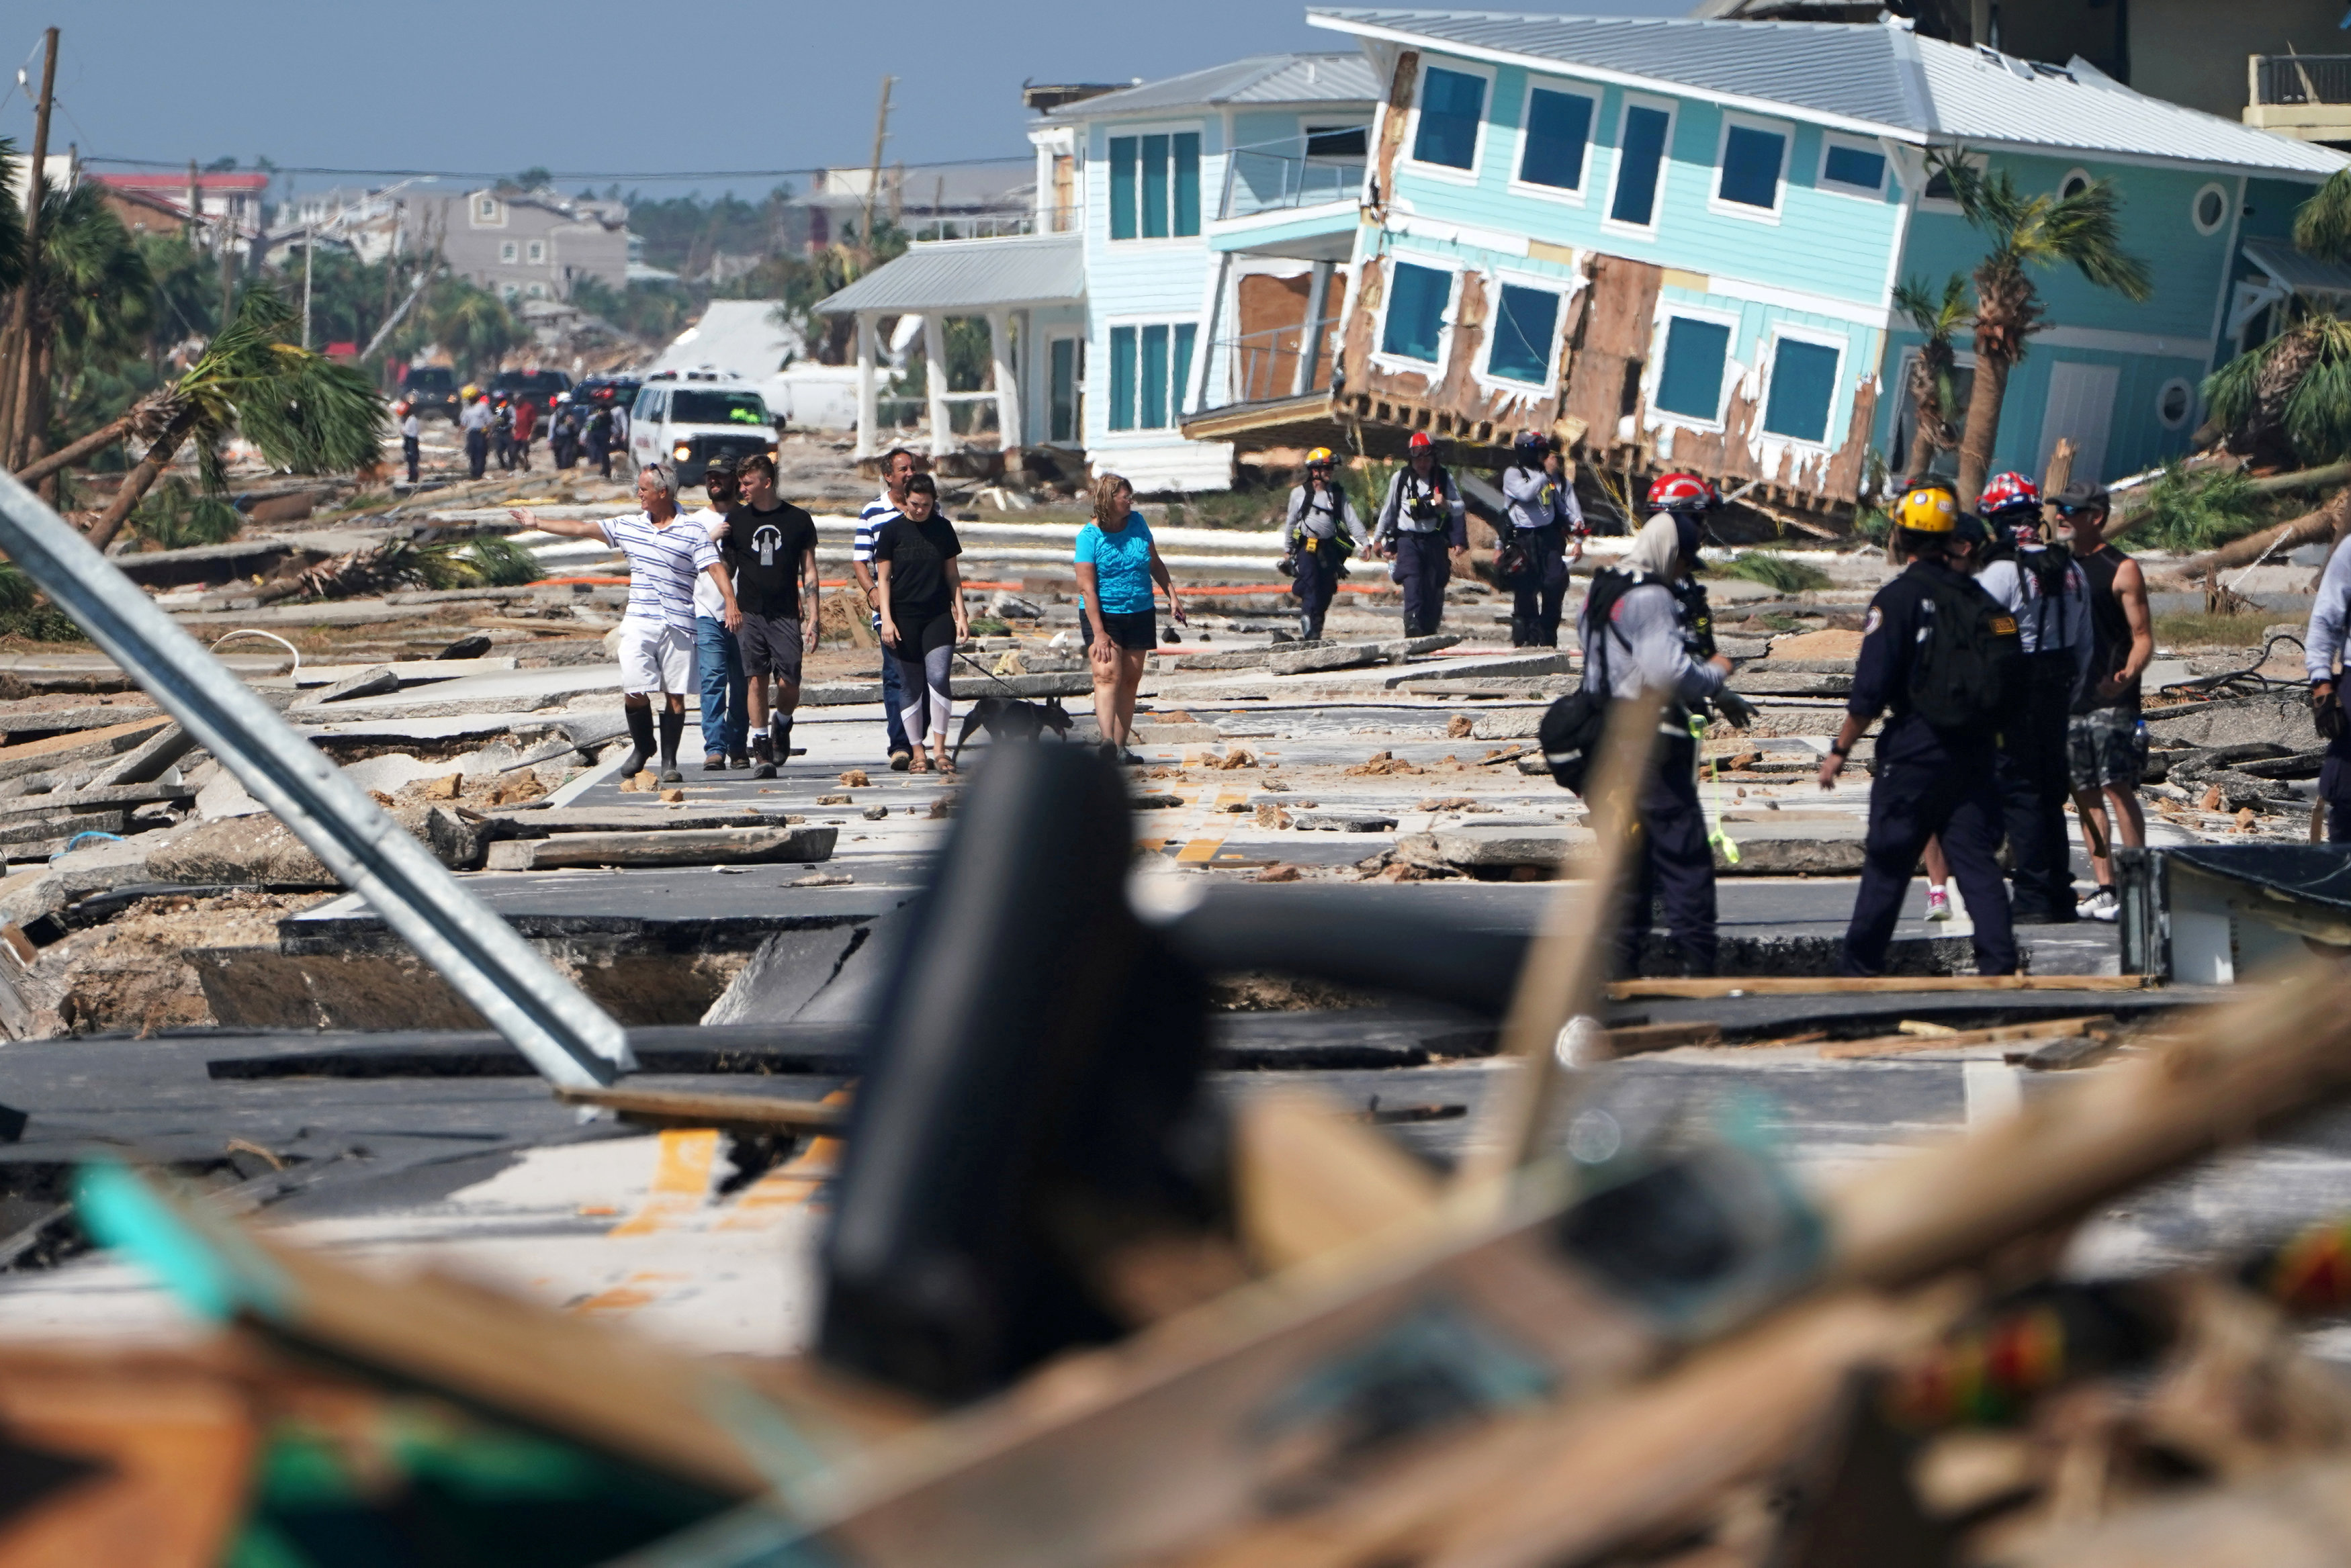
pixel 991 674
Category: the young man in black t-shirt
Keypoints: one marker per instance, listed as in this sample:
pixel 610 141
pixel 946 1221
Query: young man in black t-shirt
pixel 770 549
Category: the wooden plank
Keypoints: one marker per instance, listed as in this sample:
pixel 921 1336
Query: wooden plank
pixel 688 1108
pixel 685 846
pixel 1635 1039
pixel 97 797
pixel 1308 1181
pixel 1951 1040
pixel 1620 313
pixel 1875 985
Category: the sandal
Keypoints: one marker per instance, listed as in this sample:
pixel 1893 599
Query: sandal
pixel 919 764
pixel 945 764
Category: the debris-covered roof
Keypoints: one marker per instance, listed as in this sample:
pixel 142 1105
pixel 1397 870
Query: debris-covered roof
pixel 1882 80
pixel 1258 79
pixel 970 275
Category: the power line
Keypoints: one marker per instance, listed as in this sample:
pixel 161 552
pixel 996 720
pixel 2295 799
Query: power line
pixel 651 177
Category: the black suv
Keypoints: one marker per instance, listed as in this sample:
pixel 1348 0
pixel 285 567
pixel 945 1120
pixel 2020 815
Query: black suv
pixel 539 384
pixel 430 389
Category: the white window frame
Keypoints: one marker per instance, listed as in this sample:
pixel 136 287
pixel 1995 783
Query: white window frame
pixel 1837 139
pixel 2213 188
pixel 489 212
pixel 2077 173
pixel 1144 434
pixel 1564 195
pixel 1551 286
pixel 509 252
pixel 1978 161
pixel 1715 200
pixel 1672 109
pixel 1209 184
pixel 1655 372
pixel 535 251
pixel 1434 370
pixel 2187 417
pixel 1445 171
pixel 1796 332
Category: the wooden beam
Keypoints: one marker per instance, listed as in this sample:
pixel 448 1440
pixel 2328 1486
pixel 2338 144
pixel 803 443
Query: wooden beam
pixel 1904 1044
pixel 1875 985
pixel 1307 1181
pixel 688 1108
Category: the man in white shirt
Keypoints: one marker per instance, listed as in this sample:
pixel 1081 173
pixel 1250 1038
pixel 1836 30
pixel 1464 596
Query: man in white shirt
pixel 411 430
pixel 476 422
pixel 667 556
pixel 724 719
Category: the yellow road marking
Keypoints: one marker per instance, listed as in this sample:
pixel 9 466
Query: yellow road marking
pixel 681 1181
pixel 1199 850
pixel 790 1184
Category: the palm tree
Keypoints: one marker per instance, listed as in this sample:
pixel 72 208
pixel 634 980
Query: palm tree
pixel 2288 401
pixel 1931 391
pixel 2041 230
pixel 12 219
pixel 306 413
pixel 92 304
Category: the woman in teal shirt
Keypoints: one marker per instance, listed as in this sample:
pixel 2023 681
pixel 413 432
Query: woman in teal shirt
pixel 1117 563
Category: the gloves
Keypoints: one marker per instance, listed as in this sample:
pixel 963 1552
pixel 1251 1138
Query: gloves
pixel 2327 712
pixel 1741 712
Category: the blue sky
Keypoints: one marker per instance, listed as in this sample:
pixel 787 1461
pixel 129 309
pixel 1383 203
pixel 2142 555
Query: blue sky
pixel 595 86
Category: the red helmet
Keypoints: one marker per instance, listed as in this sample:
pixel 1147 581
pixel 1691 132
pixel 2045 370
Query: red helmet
pixel 1682 492
pixel 2007 492
pixel 1419 440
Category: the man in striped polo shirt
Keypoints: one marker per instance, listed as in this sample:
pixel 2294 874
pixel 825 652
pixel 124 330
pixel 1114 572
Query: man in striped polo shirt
pixel 898 467
pixel 666 556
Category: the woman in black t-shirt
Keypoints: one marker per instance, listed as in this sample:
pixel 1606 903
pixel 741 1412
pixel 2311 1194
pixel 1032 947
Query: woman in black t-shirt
pixel 922 619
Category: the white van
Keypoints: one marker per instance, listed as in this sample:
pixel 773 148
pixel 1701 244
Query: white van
pixel 685 419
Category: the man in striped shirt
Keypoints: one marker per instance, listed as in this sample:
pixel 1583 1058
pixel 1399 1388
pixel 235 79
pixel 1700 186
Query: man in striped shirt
pixel 666 556
pixel 899 466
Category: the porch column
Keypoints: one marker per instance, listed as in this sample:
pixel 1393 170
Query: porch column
pixel 1008 433
pixel 1204 346
pixel 935 380
pixel 869 408
pixel 1309 337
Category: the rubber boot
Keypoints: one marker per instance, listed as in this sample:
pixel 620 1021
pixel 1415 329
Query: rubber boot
pixel 780 735
pixel 763 758
pixel 641 740
pixel 1520 636
pixel 673 729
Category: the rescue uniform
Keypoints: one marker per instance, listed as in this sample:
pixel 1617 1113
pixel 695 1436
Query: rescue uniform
pixel 1321 531
pixel 2051 603
pixel 2323 651
pixel 1422 519
pixel 1542 514
pixel 1925 782
pixel 1651 641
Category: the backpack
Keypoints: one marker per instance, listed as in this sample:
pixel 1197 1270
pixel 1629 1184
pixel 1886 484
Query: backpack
pixel 1965 675
pixel 1572 727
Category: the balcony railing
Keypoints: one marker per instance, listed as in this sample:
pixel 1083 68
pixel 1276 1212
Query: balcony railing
pixel 2302 79
pixel 1274 363
pixel 1270 181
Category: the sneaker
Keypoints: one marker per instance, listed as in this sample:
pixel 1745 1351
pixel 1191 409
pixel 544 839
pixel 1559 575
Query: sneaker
pixel 898 761
pixel 765 770
pixel 716 762
pixel 1938 904
pixel 739 760
pixel 2101 905
pixel 1130 760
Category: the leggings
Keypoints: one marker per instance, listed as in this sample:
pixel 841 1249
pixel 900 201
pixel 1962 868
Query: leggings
pixel 925 661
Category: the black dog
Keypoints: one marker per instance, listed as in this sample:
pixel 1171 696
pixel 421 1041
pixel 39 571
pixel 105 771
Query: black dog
pixel 1009 718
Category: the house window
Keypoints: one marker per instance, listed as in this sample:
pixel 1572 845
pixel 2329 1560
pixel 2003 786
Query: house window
pixel 1690 381
pixel 1748 175
pixel 2211 209
pixel 1155 186
pixel 1640 163
pixel 1338 141
pixel 507 252
pixel 1150 366
pixel 1804 387
pixel 537 252
pixel 1525 319
pixel 1558 129
pixel 486 208
pixel 2076 181
pixel 2174 403
pixel 1854 167
pixel 1452 104
pixel 1416 323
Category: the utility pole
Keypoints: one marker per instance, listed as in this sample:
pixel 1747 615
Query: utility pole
pixel 309 244
pixel 874 170
pixel 20 325
pixel 196 204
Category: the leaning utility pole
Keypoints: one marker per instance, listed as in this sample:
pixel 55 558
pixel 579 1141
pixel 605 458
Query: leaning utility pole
pixel 874 170
pixel 309 245
pixel 20 324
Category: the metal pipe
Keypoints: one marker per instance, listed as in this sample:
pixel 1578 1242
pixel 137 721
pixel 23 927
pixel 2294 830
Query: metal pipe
pixel 571 1040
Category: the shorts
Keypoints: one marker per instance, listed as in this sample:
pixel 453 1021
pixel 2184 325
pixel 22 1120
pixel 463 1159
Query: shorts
pixel 655 657
pixel 2104 748
pixel 1137 631
pixel 771 646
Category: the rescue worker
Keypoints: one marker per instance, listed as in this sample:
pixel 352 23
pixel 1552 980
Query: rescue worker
pixel 2045 590
pixel 1321 525
pixel 1644 627
pixel 1927 781
pixel 1420 524
pixel 1546 532
pixel 502 431
pixel 2322 646
pixel 476 422
pixel 526 429
pixel 600 440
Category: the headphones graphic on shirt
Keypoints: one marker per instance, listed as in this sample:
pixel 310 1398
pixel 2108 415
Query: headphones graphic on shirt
pixel 766 540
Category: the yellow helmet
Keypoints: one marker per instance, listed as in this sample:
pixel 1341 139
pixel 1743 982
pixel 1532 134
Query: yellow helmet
pixel 1929 509
pixel 1320 458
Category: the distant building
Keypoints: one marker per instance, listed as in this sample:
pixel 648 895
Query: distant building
pixel 929 202
pixel 229 201
pixel 522 244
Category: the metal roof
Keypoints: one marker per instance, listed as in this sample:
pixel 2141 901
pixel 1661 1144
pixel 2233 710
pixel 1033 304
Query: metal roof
pixel 1878 77
pixel 2296 271
pixel 1345 78
pixel 970 275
